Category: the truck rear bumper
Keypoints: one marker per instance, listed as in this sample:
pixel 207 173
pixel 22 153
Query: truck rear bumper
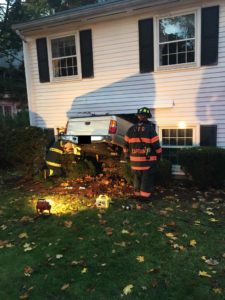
pixel 86 139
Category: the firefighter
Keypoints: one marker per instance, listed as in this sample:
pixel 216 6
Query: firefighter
pixel 54 157
pixel 143 149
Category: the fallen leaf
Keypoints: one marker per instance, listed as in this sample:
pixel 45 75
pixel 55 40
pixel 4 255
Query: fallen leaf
pixel 122 244
pixel 28 271
pixel 3 227
pixel 217 290
pixel 24 296
pixel 124 231
pixel 170 235
pixel 140 258
pixel 204 274
pixel 213 220
pixel 68 224
pixel 212 262
pixel 3 243
pixel 23 235
pixel 65 286
pixel 84 270
pixel 109 231
pixel 193 243
pixel 128 289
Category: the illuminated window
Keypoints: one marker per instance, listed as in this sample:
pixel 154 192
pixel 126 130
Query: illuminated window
pixel 173 139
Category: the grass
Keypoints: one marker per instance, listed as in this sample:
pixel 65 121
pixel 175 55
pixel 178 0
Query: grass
pixel 92 254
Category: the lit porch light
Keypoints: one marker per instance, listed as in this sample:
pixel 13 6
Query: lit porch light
pixel 182 125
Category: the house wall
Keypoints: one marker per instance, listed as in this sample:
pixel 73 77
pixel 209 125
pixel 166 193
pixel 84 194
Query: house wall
pixel 194 95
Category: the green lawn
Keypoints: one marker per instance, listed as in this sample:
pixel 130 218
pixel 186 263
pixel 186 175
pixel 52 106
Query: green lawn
pixel 153 253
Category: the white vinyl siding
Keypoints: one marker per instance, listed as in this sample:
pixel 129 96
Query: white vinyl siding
pixel 197 94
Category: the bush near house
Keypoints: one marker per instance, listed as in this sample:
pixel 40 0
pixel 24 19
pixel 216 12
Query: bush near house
pixel 163 173
pixel 23 149
pixel 78 168
pixel 205 165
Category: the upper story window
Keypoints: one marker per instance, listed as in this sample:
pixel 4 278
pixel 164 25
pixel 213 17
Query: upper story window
pixel 177 45
pixel 64 56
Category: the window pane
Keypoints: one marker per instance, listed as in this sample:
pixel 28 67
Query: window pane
pixel 181 46
pixel 172 48
pixel 165 133
pixel 63 47
pixel 172 59
pixel 181 58
pixel 190 57
pixel 181 132
pixel 189 141
pixel 181 142
pixel 189 132
pixel 165 60
pixel 165 141
pixel 177 28
pixel 173 132
pixel 173 142
pixel 8 111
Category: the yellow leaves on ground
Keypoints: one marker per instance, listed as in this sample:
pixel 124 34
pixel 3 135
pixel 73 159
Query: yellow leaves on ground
pixel 128 289
pixel 68 224
pixel 193 243
pixel 171 235
pixel 28 247
pixel 178 247
pixel 204 274
pixel 213 220
pixel 84 270
pixel 65 286
pixel 140 258
pixel 210 261
pixel 23 235
pixel 124 231
pixel 28 271
pixel 217 290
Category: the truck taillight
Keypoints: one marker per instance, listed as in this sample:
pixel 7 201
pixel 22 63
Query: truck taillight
pixel 112 126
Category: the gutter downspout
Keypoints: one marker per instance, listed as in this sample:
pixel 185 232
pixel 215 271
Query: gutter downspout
pixel 28 78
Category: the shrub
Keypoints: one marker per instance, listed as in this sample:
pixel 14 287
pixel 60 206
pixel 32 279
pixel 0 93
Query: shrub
pixel 23 149
pixel 206 165
pixel 77 169
pixel 163 173
pixel 20 120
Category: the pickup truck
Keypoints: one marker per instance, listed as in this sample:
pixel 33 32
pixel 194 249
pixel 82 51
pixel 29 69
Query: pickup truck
pixel 102 135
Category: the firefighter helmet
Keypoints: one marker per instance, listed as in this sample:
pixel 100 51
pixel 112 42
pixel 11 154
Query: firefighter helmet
pixel 144 111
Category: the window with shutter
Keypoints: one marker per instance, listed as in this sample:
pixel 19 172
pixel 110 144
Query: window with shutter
pixel 65 59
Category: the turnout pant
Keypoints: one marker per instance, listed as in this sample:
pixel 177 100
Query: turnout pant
pixel 143 182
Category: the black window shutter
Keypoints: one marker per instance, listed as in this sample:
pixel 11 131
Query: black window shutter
pixel 42 55
pixel 210 35
pixel 208 135
pixel 86 53
pixel 146 45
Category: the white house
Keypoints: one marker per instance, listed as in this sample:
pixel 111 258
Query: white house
pixel 168 55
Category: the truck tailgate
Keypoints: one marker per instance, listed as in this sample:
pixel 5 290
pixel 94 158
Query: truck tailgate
pixel 91 126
